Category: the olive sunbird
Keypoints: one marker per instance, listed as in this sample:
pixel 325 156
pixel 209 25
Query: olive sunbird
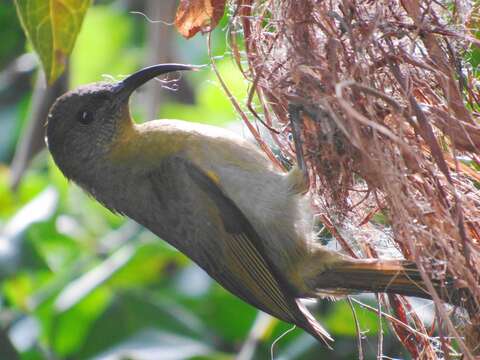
pixel 215 197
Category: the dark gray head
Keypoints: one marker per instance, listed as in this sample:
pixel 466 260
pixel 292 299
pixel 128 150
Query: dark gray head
pixel 83 122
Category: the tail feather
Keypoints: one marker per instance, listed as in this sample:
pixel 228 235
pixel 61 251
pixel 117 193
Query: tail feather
pixel 399 277
pixel 389 276
pixel 394 277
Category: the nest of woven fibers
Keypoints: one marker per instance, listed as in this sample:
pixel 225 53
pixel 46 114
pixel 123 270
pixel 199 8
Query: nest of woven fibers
pixel 386 98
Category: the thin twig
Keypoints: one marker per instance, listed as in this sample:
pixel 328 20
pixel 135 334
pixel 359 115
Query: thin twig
pixel 357 329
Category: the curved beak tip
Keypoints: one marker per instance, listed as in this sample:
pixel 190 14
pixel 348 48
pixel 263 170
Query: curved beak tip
pixel 132 82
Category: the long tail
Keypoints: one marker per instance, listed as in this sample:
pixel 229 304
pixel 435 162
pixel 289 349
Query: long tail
pixel 348 275
pixel 389 276
pixel 351 275
pixel 333 274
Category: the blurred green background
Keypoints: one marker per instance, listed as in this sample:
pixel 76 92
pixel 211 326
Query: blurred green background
pixel 78 282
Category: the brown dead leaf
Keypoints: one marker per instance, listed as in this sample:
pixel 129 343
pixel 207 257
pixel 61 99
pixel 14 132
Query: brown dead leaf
pixel 198 15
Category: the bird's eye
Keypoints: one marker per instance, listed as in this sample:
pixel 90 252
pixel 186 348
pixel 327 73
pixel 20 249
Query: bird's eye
pixel 85 117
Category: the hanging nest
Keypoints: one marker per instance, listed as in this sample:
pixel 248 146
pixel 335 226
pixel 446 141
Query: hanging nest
pixel 387 99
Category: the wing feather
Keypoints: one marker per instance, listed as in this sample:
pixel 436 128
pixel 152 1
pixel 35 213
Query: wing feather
pixel 211 225
pixel 244 250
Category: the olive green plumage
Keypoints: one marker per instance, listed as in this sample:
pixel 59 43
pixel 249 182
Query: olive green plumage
pixel 212 195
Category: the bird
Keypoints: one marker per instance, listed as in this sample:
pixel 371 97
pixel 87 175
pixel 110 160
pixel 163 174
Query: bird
pixel 214 196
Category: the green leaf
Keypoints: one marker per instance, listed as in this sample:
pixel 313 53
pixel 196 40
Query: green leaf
pixel 52 27
pixel 80 288
pixel 154 344
pixel 340 320
pixel 114 44
pixel 130 313
pixel 71 328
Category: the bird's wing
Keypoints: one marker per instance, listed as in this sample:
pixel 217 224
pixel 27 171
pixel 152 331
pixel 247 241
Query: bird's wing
pixel 233 253
pixel 244 249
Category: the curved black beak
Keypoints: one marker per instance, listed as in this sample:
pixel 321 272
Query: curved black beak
pixel 128 85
